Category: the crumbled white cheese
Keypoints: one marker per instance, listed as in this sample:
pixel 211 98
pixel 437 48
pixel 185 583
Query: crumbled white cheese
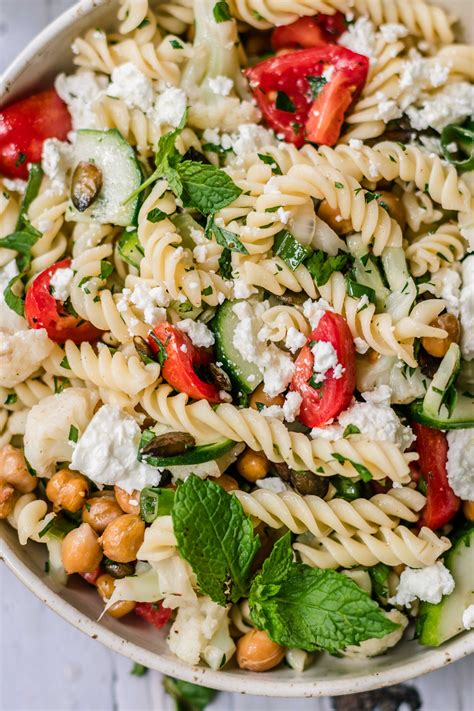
pixel 468 618
pixel 61 283
pixel 9 320
pixel 460 464
pixel 387 109
pixel 56 161
pixel 452 104
pixel 15 186
pixel 131 85
pixel 330 432
pixel 328 73
pixel 272 483
pixel 107 451
pixel 466 301
pixel 391 31
pixel 360 37
pixel 428 584
pixel 199 333
pixel 80 91
pixel 447 284
pixel 325 359
pixel 291 406
pixel 211 135
pixel 21 354
pixel 431 143
pixel 220 85
pixel 315 310
pixel 242 290
pixel 275 365
pixel 152 301
pixel 361 346
pixel 294 339
pixel 275 411
pixel 169 107
pixel 283 215
pixel 248 138
pixel 376 419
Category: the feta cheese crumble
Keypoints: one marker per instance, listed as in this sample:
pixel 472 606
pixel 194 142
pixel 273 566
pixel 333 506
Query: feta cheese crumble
pixel 360 37
pixel 325 359
pixel 315 310
pixel 169 107
pixel 291 406
pixel 460 464
pixel 466 301
pixel 220 85
pixel 468 618
pixel 198 332
pixel 273 484
pixel 80 91
pixel 294 339
pixel 56 161
pixel 131 85
pixel 428 584
pixel 61 283
pixel 152 301
pixel 107 451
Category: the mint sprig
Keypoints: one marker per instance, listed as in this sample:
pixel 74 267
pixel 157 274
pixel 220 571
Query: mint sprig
pixel 216 537
pixel 312 609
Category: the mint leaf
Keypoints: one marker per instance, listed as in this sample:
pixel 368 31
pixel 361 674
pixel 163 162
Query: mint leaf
pixel 310 608
pixel 138 669
pixel 379 575
pixel 32 189
pixel 225 264
pixel 22 241
pixel 362 471
pixel 224 237
pixel 216 537
pixel 350 430
pixel 12 300
pixel 320 265
pixel 205 187
pixel 270 160
pixel 316 84
pixel 188 696
pixel 156 215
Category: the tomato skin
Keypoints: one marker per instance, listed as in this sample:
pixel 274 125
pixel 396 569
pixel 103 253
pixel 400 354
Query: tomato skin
pixel 154 613
pixel 182 358
pixel 91 578
pixel 25 125
pixel 308 31
pixel 319 406
pixel 441 501
pixel 289 73
pixel 43 311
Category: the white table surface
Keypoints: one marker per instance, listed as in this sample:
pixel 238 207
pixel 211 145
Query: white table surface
pixel 47 665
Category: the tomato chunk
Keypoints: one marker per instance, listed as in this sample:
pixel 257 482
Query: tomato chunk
pixel 300 103
pixel 441 501
pixel 324 401
pixel 314 31
pixel 154 613
pixel 42 310
pixel 180 358
pixel 25 125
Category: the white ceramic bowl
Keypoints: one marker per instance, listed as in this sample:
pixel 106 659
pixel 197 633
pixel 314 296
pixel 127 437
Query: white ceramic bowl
pixel 78 604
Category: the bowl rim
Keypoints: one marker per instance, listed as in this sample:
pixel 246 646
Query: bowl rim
pixel 268 685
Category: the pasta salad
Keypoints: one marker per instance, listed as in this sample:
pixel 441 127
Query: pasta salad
pixel 236 315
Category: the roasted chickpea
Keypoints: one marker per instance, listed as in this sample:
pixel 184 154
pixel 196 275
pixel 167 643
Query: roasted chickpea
pixel 80 550
pixel 253 466
pixel 468 510
pixel 8 497
pixel 14 471
pixel 99 511
pixel 334 219
pixel 256 652
pixel 130 503
pixel 227 482
pixel 394 206
pixel 123 537
pixel 438 347
pixel 105 587
pixel 259 397
pixel 67 490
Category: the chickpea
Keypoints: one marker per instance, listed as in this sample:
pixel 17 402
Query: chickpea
pixel 333 218
pixel 253 466
pixel 123 537
pixel 130 503
pixel 67 490
pixel 99 511
pixel 105 587
pixel 8 497
pixel 438 347
pixel 256 652
pixel 468 510
pixel 227 482
pixel 394 206
pixel 80 550
pixel 14 471
pixel 259 397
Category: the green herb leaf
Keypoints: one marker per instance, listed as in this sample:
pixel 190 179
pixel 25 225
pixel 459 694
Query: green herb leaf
pixel 73 434
pixel 32 189
pixel 130 249
pixel 350 430
pixel 22 242
pixel 155 502
pixel 270 160
pixel 175 44
pixel 284 103
pixel 106 269
pixel 58 527
pixel 221 12
pixel 12 300
pixel 65 363
pixel 463 137
pixel 205 187
pixel 156 215
pixel 362 471
pixel 379 576
pixel 290 250
pixel 11 399
pixel 224 237
pixel 369 196
pixel 310 608
pixel 225 264
pixel 161 355
pixel 138 669
pixel 188 697
pixel 320 265
pixel 216 537
pixel 316 84
pixel 357 291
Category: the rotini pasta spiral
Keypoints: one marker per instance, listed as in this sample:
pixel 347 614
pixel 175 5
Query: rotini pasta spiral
pixel 46 214
pixel 275 276
pixel 436 249
pixel 9 210
pixel 320 517
pixel 29 517
pixel 419 210
pixel 159 542
pixel 390 546
pixel 422 20
pixel 278 321
pixel 265 13
pixel 269 435
pixel 131 14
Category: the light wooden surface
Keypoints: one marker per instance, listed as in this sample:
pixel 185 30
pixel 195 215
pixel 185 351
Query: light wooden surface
pixel 47 665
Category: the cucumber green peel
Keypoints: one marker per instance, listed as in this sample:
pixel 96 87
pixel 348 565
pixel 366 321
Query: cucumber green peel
pixel 463 136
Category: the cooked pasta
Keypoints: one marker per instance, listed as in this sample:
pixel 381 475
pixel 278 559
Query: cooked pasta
pixel 420 18
pixel 435 249
pixel 265 13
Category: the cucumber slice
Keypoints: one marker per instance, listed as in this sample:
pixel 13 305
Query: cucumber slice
pixel 461 417
pixel 195 455
pixel 366 272
pixel 443 378
pixel 437 623
pixel 130 249
pixel 121 176
pixel 246 375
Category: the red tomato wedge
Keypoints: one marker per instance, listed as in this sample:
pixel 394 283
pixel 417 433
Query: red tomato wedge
pixel 441 501
pixel 42 310
pixel 180 360
pixel 322 404
pixel 314 31
pixel 298 102
pixel 154 613
pixel 25 125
